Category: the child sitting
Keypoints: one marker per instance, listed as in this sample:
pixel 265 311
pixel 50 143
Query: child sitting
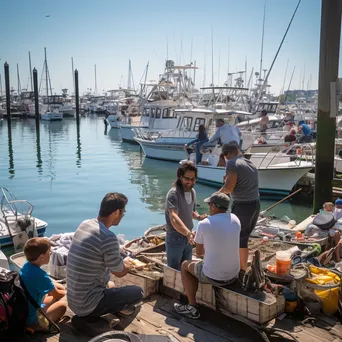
pixel 329 207
pixel 39 285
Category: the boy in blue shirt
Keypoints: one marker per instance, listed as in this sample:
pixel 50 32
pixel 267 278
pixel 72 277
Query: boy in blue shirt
pixel 306 132
pixel 39 285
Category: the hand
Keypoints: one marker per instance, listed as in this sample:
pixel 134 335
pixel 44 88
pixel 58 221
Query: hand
pixel 202 217
pixel 190 238
pixel 128 263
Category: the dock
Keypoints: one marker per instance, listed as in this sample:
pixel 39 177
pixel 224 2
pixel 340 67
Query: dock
pixel 157 322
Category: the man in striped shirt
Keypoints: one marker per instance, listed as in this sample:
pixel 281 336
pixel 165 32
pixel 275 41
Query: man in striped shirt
pixel 94 254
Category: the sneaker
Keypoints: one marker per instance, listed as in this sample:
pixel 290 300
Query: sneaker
pixel 187 310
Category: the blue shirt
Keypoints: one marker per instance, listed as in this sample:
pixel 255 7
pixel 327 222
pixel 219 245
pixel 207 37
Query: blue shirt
pixel 306 129
pixel 38 284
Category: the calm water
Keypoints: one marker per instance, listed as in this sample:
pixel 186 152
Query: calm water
pixel 66 174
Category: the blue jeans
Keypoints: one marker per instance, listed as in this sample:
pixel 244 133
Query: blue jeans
pixel 178 249
pixel 117 299
pixel 198 145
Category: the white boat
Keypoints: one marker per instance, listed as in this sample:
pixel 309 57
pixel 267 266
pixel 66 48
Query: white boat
pixel 169 145
pixel 52 116
pixel 16 221
pixel 278 172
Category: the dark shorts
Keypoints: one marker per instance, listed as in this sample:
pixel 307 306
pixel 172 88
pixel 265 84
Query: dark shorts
pixel 247 213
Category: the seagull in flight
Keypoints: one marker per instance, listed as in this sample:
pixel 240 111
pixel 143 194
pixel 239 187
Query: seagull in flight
pixel 47 16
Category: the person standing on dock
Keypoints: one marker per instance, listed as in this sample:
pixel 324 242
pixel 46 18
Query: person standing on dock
pixel 241 182
pixel 93 255
pixel 180 210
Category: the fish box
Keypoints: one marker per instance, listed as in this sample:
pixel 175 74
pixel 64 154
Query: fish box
pixel 261 309
pixel 173 280
pixel 148 285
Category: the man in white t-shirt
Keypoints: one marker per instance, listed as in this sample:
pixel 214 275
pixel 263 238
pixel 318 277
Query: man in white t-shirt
pixel 218 239
pixel 224 134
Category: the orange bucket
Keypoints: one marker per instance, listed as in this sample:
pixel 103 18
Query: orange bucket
pixel 283 263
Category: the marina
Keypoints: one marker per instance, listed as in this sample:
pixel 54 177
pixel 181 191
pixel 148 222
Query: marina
pixel 183 203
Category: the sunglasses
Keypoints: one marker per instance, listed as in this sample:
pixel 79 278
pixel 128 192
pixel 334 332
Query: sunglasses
pixel 189 179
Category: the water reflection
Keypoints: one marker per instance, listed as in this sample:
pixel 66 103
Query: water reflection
pixel 78 151
pixel 10 155
pixel 39 155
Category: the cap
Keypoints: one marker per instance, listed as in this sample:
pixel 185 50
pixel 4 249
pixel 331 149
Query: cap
pixel 220 199
pixel 219 120
pixel 226 147
pixel 338 201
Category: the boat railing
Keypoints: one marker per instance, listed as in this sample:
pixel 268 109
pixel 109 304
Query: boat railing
pixel 297 154
pixel 11 207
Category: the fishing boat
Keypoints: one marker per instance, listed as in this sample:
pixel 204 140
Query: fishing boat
pixel 278 172
pixel 17 224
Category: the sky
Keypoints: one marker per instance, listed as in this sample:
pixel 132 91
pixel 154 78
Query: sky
pixel 110 32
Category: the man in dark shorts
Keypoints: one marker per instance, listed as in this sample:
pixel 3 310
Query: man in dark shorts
pixel 241 182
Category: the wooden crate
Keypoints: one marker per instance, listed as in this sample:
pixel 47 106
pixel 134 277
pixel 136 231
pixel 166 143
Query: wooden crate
pixel 173 280
pixel 148 285
pixel 257 310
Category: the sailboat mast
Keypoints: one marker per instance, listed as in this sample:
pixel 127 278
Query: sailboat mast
pixel 262 39
pixel 18 80
pixel 212 58
pixel 95 80
pixel 73 72
pixel 47 81
pixel 30 66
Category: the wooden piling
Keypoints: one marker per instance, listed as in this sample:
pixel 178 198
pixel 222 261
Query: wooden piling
pixel 77 98
pixel 36 98
pixel 8 95
pixel 326 120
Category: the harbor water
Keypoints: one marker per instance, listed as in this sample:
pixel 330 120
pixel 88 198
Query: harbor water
pixel 66 172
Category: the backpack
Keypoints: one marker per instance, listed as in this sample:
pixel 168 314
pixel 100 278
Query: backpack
pixel 13 305
pixel 324 221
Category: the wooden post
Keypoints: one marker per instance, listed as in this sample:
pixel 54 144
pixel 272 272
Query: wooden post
pixel 36 97
pixel 77 99
pixel 326 120
pixel 8 95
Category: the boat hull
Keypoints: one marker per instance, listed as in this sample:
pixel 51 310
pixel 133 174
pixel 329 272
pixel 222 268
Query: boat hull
pixel 127 134
pixel 272 180
pixel 51 116
pixel 167 151
pixel 6 240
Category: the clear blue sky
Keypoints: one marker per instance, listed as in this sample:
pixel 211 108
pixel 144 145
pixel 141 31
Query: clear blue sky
pixel 110 32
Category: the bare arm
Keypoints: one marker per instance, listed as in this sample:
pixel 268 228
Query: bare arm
pixel 58 292
pixel 177 223
pixel 229 183
pixel 199 249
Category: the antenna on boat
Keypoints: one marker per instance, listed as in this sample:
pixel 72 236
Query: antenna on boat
pixel 219 64
pixel 129 75
pixel 30 70
pixel 0 86
pixel 262 37
pixel 228 61
pixel 245 70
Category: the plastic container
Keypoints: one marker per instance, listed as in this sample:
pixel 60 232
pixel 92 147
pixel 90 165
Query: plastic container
pixel 283 263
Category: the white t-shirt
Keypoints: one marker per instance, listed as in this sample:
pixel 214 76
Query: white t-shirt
pixel 220 235
pixel 226 133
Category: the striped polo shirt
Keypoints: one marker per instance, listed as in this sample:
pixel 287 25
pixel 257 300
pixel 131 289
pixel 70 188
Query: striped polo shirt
pixel 94 253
